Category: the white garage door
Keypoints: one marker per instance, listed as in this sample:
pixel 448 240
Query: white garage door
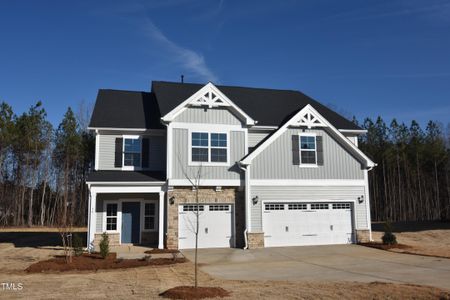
pixel 215 226
pixel 301 223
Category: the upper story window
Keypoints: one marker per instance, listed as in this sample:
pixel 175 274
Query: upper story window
pixel 132 152
pixel 308 150
pixel 209 147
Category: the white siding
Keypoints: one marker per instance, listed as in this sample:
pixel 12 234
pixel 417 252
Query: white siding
pixel 308 193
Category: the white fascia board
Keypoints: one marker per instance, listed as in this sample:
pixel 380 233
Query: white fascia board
pixel 207 182
pixel 307 182
pixel 354 131
pixel 124 183
pixel 126 189
pixel 281 130
pixel 169 117
pixel 118 129
pixel 262 128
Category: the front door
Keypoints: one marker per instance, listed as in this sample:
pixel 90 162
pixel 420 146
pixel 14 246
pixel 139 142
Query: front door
pixel 131 225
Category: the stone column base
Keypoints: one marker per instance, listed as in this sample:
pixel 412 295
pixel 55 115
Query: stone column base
pixel 363 236
pixel 255 240
pixel 113 239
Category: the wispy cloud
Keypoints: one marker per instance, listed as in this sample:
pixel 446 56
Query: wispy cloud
pixel 189 59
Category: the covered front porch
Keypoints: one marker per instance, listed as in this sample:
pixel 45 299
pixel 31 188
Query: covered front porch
pixel 130 215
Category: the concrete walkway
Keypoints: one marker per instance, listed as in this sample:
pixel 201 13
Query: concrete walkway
pixel 319 263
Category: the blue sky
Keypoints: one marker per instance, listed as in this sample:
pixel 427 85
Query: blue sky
pixel 364 58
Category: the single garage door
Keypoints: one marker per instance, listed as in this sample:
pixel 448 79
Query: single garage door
pixel 215 226
pixel 301 223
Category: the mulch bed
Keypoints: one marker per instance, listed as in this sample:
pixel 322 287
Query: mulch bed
pixel 384 246
pixel 161 251
pixel 94 262
pixel 190 292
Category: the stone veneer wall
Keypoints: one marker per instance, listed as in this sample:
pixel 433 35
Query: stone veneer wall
pixel 363 236
pixel 255 240
pixel 184 195
pixel 114 239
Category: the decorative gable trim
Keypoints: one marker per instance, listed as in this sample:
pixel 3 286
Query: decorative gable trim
pixel 307 117
pixel 208 96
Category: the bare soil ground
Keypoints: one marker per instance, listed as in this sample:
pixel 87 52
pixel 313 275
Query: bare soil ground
pixel 426 242
pixel 148 282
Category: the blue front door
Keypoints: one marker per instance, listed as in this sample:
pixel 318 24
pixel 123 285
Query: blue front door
pixel 131 222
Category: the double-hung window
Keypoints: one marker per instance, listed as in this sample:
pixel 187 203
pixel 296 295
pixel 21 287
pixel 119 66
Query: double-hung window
pixel 132 152
pixel 209 147
pixel 149 216
pixel 308 150
pixel 111 216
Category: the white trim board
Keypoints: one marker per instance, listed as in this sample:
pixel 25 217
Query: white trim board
pixel 210 96
pixel 307 182
pixel 207 182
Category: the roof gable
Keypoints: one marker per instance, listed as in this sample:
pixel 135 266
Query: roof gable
pixel 269 107
pixel 208 96
pixel 307 117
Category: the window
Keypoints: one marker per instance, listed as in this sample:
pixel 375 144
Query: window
pixel 132 152
pixel 193 208
pixel 296 206
pixel 274 206
pixel 200 146
pixel 319 206
pixel 111 216
pixel 341 205
pixel 307 149
pixel 209 147
pixel 149 216
pixel 219 208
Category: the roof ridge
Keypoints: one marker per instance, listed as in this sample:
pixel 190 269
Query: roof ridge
pixel 230 86
pixel 120 90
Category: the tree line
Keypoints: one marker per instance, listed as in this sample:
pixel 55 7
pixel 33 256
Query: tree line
pixel 411 180
pixel 43 169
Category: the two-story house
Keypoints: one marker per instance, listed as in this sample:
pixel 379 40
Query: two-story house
pixel 267 167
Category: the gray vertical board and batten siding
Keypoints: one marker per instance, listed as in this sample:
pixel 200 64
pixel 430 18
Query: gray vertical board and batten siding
pixel 275 162
pixel 180 158
pixel 305 194
pixel 157 152
pixel 208 116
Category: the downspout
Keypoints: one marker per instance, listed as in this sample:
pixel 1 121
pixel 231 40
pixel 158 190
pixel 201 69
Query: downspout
pixel 247 186
pixel 368 198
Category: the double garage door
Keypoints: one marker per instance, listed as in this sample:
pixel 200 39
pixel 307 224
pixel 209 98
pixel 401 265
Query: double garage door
pixel 215 226
pixel 303 223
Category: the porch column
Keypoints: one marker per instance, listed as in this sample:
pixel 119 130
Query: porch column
pixel 161 221
pixel 92 217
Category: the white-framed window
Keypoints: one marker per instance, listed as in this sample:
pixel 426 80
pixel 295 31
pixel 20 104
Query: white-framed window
pixel 209 148
pixel 308 149
pixel 111 216
pixel 132 152
pixel 149 216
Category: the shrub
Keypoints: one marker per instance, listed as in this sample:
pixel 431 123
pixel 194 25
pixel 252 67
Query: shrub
pixel 104 245
pixel 388 238
pixel 77 244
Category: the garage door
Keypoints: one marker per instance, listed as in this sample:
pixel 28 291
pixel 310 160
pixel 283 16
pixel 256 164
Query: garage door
pixel 301 223
pixel 215 226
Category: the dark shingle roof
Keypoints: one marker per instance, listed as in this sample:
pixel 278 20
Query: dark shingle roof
pixel 267 106
pixel 115 176
pixel 126 109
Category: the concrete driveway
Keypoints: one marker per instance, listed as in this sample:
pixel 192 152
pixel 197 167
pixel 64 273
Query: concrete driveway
pixel 319 263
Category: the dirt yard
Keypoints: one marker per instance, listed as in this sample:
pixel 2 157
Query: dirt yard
pixel 422 238
pixel 148 282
